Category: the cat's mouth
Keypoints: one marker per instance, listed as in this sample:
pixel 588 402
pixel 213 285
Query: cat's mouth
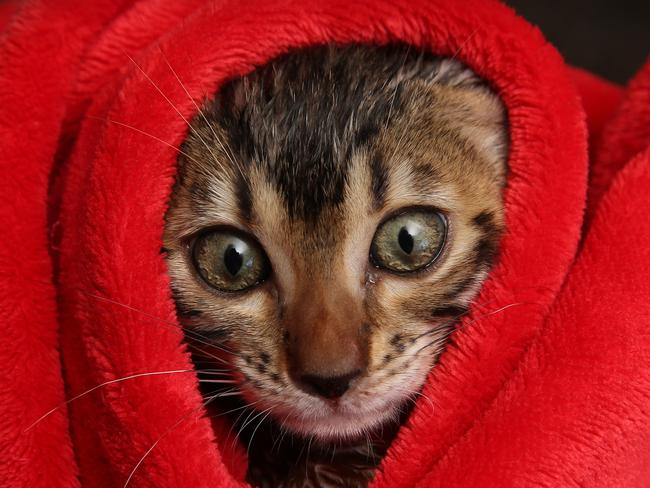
pixel 366 408
pixel 340 423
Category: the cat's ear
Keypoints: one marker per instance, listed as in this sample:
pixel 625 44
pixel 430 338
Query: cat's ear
pixel 483 119
pixel 483 122
pixel 475 109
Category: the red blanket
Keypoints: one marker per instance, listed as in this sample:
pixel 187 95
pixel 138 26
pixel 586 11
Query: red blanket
pixel 547 382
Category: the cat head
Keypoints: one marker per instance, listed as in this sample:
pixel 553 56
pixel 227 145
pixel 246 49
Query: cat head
pixel 334 214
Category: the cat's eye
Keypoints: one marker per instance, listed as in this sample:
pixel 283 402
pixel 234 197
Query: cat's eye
pixel 409 241
pixel 229 260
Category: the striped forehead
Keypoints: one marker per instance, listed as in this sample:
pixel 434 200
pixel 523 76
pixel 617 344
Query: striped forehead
pixel 301 119
pixel 371 179
pixel 298 123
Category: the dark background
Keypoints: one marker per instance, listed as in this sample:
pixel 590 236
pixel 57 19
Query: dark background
pixel 610 38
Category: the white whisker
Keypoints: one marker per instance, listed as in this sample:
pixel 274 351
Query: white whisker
pixel 250 441
pixel 189 125
pixel 176 424
pixel 101 385
pixel 140 131
pixel 193 334
pixel 227 152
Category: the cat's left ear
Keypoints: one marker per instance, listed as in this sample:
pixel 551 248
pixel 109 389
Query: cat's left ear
pixel 478 111
pixel 485 124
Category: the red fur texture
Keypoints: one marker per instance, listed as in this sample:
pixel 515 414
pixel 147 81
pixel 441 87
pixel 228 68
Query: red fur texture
pixel 546 383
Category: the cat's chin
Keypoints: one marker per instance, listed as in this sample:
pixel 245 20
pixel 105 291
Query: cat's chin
pixel 340 421
pixel 339 428
pixel 367 407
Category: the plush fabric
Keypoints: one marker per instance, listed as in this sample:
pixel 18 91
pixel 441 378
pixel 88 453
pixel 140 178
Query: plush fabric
pixel 546 382
pixel 624 136
pixel 600 100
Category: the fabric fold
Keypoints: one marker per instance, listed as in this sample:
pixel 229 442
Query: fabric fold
pixel 545 381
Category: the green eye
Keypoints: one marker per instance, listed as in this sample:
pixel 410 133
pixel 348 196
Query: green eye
pixel 409 241
pixel 230 260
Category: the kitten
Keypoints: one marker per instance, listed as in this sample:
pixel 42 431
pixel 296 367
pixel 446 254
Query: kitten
pixel 335 212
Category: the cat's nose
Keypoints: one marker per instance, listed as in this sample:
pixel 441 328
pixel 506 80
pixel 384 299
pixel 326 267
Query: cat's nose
pixel 328 387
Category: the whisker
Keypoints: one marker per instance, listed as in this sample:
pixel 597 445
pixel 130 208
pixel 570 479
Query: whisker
pixel 229 394
pixel 333 456
pixel 223 144
pixel 248 422
pixel 371 451
pixel 242 407
pixel 443 325
pixel 283 432
pixel 140 131
pixel 196 335
pixel 501 309
pixel 232 426
pixel 480 317
pixel 467 312
pixel 189 125
pixel 193 334
pixel 464 43
pixel 176 424
pixel 437 341
pixel 311 438
pixel 419 393
pixel 250 441
pixel 228 152
pixel 101 385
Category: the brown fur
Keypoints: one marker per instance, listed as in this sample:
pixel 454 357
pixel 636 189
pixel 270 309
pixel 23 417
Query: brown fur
pixel 308 155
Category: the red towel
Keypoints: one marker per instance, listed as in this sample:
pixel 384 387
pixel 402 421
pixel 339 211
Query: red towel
pixel 547 382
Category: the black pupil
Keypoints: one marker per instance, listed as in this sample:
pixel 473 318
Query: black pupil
pixel 233 260
pixel 405 240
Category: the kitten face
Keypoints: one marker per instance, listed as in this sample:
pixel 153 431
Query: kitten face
pixel 319 175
